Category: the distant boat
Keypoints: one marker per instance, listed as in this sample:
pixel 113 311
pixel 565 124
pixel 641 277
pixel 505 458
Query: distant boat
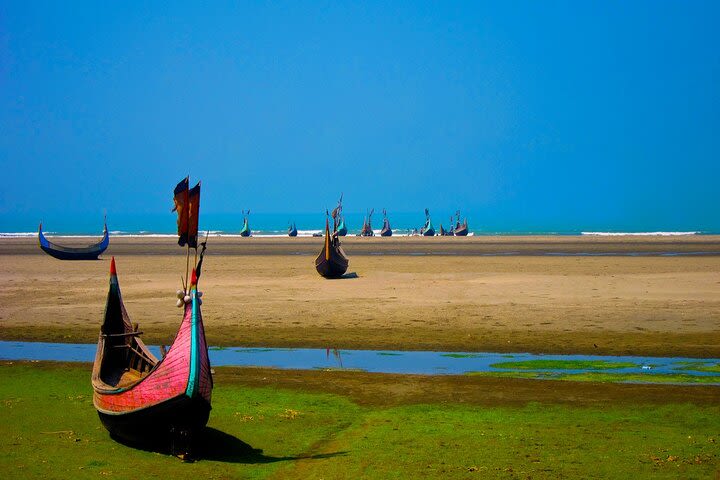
pixel 331 262
pixel 461 229
pixel 245 232
pixel 386 230
pixel 91 252
pixel 292 230
pixel 367 230
pixel 427 230
pixel 446 233
pixel 339 219
pixel 342 229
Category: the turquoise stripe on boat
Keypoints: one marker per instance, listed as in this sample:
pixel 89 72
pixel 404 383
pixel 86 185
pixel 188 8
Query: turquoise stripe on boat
pixel 193 379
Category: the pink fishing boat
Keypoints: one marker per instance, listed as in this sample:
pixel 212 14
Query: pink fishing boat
pixel 143 399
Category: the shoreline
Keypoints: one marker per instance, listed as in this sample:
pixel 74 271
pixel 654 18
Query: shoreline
pixel 530 245
pixel 266 293
pixel 700 346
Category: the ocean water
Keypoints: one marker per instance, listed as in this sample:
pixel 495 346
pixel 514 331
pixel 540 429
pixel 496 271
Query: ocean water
pixel 276 224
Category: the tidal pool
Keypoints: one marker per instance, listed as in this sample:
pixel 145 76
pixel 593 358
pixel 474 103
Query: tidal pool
pixel 527 365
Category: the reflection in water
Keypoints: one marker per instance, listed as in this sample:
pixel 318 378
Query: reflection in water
pixel 336 355
pixel 403 362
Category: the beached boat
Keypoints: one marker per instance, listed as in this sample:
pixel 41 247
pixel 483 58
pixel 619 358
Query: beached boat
pixel 91 252
pixel 386 230
pixel 339 220
pixel 141 399
pixel 245 232
pixel 461 229
pixel 447 233
pixel 148 401
pixel 427 230
pixel 292 230
pixel 342 229
pixel 366 230
pixel 332 261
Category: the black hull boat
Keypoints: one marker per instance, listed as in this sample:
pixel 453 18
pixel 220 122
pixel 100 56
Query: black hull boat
pixel 91 252
pixel 142 400
pixel 367 230
pixel 427 230
pixel 386 230
pixel 461 229
pixel 246 232
pixel 340 230
pixel 175 424
pixel 331 262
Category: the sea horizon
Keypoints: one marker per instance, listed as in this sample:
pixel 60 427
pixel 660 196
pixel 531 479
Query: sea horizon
pixel 276 225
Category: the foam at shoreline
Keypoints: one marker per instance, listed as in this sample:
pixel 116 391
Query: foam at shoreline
pixel 639 234
pixel 310 233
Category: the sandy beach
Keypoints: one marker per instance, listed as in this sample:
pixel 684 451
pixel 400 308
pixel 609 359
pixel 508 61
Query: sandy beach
pixel 632 295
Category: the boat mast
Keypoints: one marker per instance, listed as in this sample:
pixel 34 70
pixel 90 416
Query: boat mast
pixel 187 212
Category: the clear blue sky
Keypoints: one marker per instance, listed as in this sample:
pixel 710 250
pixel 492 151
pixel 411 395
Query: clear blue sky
pixel 602 114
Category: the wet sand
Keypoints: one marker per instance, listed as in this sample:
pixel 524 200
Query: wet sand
pixel 699 245
pixel 463 294
pixel 381 389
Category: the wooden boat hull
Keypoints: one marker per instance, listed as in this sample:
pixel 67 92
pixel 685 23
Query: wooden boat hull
pixel 245 232
pixel 331 262
pixel 60 255
pixel 161 424
pixel 335 267
pixel 428 230
pixel 386 231
pixel 91 252
pixel 142 399
pixel 462 231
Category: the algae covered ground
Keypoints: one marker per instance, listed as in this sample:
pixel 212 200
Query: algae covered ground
pixel 604 377
pixel 288 427
pixel 564 365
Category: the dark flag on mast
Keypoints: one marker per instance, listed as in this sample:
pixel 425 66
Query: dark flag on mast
pixel 182 201
pixel 193 215
pixel 187 205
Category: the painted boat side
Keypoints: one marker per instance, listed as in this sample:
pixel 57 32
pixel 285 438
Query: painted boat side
pixel 91 252
pixel 175 396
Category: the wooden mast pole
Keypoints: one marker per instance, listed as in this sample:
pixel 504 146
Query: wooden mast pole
pixel 187 223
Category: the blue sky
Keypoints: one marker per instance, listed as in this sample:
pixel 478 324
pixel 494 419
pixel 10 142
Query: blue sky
pixel 582 114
